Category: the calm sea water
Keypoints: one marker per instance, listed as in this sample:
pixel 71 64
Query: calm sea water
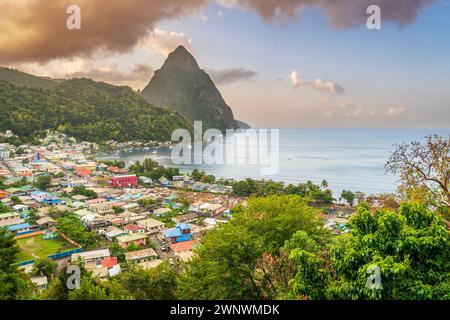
pixel 351 159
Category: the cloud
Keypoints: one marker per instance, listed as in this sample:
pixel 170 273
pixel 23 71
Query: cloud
pixel 395 111
pixel 318 84
pixel 230 75
pixel 35 30
pixel 136 77
pixel 164 42
pixel 341 14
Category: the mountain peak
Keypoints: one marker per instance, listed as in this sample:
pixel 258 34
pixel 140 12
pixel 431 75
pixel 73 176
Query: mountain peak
pixel 182 58
pixel 181 85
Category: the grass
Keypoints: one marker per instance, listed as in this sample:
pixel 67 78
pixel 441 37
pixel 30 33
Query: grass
pixel 35 247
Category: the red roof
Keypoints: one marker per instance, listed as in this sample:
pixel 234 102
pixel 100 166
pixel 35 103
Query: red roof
pixel 114 169
pixel 83 172
pixel 109 262
pixel 118 221
pixel 182 246
pixel 133 227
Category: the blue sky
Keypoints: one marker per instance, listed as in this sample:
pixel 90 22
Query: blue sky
pixel 407 67
pixel 315 69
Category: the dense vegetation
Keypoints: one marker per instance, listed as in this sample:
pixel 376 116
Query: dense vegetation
pixel 152 169
pixel 315 193
pixel 86 110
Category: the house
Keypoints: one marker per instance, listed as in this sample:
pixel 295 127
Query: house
pixel 45 223
pixel 39 195
pixel 41 282
pixel 83 172
pixel 124 181
pixel 161 212
pixel 95 221
pixel 9 216
pixel 181 232
pixel 135 238
pixel 102 209
pixel 4 153
pixel 3 194
pixel 132 228
pixel 21 228
pixel 151 225
pixel 145 180
pixel 20 208
pixel 83 212
pixel 95 256
pixel 164 182
pixel 183 249
pixel 187 218
pixel 141 256
pixel 111 233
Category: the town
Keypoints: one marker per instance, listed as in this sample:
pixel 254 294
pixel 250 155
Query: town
pixel 150 221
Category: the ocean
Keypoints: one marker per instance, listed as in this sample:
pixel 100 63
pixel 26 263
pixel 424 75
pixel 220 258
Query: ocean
pixel 351 159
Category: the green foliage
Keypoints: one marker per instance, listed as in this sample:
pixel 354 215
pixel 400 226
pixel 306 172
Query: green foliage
pixel 4 208
pixel 72 227
pixel 118 210
pixel 14 284
pixel 86 110
pixel 116 163
pixel 411 249
pixel 315 193
pixel 83 191
pixel 225 266
pixel 152 169
pixel 43 182
pixel 44 267
pixel 348 196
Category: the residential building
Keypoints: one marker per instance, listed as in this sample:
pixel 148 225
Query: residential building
pixel 135 238
pixel 151 225
pixel 124 181
pixel 181 232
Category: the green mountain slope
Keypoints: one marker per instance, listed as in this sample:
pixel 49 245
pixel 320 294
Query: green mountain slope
pixel 22 79
pixel 87 110
pixel 182 86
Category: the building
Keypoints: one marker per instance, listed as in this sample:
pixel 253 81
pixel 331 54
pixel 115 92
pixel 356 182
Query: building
pixel 45 223
pixel 181 232
pixel 187 218
pixel 183 250
pixel 132 228
pixel 95 256
pixel 141 256
pixel 21 228
pixel 111 233
pixel 4 153
pixel 124 181
pixel 95 221
pixel 135 238
pixel 151 225
pixel 41 282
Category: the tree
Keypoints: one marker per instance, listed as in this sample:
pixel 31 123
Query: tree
pixel 43 182
pixel 233 260
pixel 14 284
pixel 118 210
pixel 71 226
pixel 348 196
pixel 44 267
pixel 409 251
pixel 424 166
pixel 83 191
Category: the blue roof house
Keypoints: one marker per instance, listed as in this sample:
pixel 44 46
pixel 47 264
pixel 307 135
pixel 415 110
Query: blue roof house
pixel 39 195
pixel 20 228
pixel 181 232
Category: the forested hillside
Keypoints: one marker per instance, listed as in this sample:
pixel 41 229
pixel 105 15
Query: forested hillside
pixel 87 110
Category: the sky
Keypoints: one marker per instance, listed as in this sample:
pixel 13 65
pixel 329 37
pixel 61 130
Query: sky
pixel 277 63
